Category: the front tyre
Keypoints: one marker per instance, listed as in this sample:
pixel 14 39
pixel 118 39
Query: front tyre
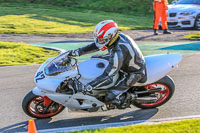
pixel 167 87
pixel 33 106
pixel 197 23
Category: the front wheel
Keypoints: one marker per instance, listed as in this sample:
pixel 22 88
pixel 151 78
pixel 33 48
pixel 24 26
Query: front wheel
pixel 167 88
pixel 34 106
pixel 197 23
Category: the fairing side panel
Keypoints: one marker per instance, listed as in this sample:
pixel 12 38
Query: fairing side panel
pixel 72 101
pixel 92 68
pixel 87 101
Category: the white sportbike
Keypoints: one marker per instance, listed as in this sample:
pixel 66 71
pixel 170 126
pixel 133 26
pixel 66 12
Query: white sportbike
pixel 60 83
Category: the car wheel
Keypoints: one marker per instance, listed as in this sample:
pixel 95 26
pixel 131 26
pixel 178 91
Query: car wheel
pixel 197 22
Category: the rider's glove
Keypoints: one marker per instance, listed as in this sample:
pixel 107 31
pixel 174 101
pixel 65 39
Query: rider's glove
pixel 73 53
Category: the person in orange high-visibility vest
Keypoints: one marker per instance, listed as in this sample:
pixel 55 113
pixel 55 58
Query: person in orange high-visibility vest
pixel 160 13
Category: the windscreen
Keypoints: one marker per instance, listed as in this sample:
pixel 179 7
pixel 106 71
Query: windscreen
pixel 189 2
pixel 60 64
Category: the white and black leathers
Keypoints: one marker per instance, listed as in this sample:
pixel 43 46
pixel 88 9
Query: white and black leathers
pixel 124 57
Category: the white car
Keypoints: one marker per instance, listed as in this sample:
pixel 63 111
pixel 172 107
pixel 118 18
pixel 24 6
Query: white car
pixel 184 14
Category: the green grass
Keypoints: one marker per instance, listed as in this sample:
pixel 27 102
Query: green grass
pixel 185 126
pixel 193 36
pixel 44 19
pixel 132 7
pixel 12 53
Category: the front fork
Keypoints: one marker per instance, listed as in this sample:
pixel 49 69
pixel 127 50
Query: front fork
pixel 47 101
pixel 39 92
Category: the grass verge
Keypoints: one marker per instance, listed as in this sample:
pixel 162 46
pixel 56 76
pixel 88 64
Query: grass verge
pixel 185 126
pixel 12 53
pixel 44 19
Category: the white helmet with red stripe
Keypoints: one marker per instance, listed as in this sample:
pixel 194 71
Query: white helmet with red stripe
pixel 105 33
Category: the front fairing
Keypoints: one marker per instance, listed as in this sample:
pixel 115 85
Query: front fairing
pixel 60 64
pixel 54 66
pixel 52 72
pixel 40 74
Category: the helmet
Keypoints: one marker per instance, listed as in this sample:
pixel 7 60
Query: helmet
pixel 105 33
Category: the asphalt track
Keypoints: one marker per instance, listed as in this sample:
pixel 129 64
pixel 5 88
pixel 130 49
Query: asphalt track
pixel 15 82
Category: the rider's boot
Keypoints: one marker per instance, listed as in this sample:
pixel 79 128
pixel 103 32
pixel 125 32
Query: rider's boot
pixel 115 97
pixel 112 98
pixel 121 100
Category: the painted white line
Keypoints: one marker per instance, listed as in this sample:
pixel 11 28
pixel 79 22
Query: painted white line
pixel 52 48
pixel 116 124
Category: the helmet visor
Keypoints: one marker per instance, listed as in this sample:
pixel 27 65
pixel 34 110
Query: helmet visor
pixel 102 40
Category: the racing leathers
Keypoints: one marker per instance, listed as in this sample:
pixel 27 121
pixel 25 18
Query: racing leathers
pixel 125 58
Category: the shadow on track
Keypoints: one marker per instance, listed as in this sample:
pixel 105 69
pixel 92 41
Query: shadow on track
pixel 137 115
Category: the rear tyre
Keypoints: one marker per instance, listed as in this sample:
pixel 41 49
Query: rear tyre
pixel 167 90
pixel 33 106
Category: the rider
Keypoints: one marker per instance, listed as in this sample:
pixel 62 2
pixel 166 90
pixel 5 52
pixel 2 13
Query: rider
pixel 124 57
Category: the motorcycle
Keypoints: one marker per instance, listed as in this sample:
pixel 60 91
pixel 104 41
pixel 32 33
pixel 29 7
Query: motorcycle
pixel 60 81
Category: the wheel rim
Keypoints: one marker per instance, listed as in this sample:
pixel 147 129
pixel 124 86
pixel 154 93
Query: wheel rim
pixel 36 108
pixel 162 95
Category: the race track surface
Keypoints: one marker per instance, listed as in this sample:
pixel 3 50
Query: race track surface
pixel 15 82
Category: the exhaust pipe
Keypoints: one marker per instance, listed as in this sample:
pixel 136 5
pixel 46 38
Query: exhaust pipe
pixel 146 99
pixel 148 91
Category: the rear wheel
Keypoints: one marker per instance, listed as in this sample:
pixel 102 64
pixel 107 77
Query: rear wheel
pixel 34 106
pixel 166 86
